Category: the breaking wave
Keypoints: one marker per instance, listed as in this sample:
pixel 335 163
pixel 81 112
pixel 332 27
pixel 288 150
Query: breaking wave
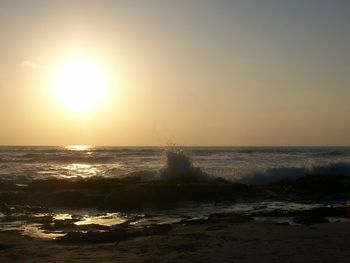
pixel 248 165
pixel 292 173
pixel 179 167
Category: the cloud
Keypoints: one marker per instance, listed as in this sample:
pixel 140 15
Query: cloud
pixel 29 64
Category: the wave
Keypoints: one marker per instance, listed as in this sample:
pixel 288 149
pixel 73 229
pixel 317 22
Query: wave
pixel 58 158
pixel 292 173
pixel 179 180
pixel 179 167
pixel 82 159
pixel 332 154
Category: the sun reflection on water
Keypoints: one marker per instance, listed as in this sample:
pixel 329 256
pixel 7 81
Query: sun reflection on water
pixel 78 147
pixel 62 216
pixel 81 170
pixel 109 219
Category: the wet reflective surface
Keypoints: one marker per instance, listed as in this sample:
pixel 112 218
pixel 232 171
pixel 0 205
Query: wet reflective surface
pixel 53 224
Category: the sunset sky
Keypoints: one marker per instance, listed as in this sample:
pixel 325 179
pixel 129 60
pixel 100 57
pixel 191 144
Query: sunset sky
pixel 213 73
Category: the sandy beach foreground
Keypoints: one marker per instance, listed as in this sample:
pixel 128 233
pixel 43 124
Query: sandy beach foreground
pixel 244 242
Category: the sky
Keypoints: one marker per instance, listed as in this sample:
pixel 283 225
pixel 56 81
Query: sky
pixel 185 72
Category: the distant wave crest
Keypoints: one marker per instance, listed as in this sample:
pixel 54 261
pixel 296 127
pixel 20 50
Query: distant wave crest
pixel 58 158
pixel 292 173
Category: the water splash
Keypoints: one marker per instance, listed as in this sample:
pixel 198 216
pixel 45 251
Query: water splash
pixel 179 167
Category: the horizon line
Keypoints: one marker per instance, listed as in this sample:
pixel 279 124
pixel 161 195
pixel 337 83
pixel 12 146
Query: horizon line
pixel 179 146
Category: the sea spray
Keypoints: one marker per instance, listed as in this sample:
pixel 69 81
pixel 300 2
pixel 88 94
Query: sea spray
pixel 179 167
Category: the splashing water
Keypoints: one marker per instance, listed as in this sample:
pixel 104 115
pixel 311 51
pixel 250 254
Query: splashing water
pixel 179 167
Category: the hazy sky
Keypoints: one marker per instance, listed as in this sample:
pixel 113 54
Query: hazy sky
pixel 187 72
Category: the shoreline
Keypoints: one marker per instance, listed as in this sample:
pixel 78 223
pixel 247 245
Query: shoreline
pixel 219 242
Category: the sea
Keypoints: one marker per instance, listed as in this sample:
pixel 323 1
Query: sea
pixel 248 165
pixel 251 165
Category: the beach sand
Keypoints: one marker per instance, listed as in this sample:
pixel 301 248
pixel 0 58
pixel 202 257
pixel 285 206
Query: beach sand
pixel 245 242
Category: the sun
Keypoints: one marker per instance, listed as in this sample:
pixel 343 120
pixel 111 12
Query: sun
pixel 80 84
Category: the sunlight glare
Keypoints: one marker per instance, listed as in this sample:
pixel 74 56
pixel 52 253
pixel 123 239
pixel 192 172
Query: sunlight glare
pixel 78 147
pixel 80 85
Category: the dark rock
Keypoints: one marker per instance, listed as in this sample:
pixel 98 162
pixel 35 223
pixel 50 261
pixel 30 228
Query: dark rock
pixel 155 229
pixel 229 217
pixel 199 221
pixel 5 246
pixel 215 228
pixel 324 184
pixel 309 220
pixel 115 235
pixel 282 224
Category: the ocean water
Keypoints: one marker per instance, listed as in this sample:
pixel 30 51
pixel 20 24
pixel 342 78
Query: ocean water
pixel 251 165
pixel 244 164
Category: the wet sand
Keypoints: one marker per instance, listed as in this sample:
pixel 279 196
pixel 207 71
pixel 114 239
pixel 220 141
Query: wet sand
pixel 220 242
